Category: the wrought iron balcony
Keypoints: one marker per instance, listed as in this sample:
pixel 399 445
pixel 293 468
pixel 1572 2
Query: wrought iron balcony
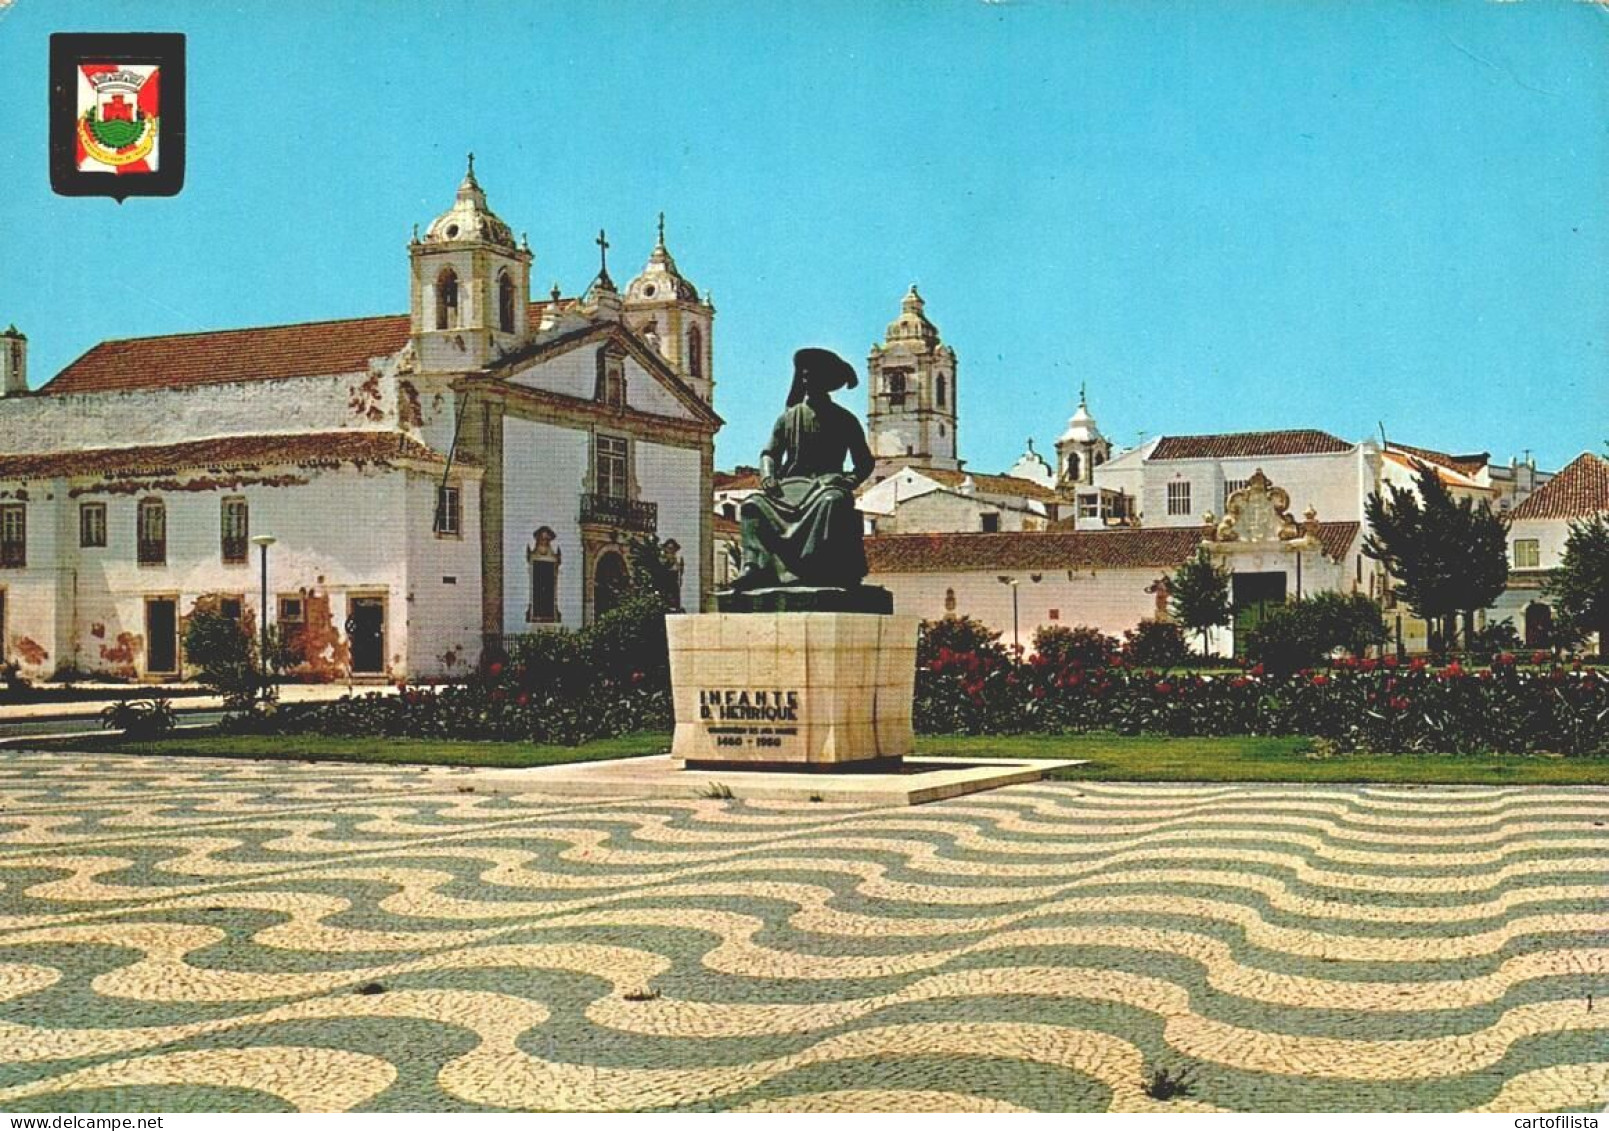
pixel 623 514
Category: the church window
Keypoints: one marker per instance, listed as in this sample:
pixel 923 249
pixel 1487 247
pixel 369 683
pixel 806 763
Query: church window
pixel 1527 553
pixel 695 352
pixel 543 558
pixel 896 388
pixel 1100 458
pixel 151 533
pixel 505 303
pixel 91 524
pixel 611 389
pixel 13 535
pixel 236 528
pixel 939 390
pixel 941 432
pixel 447 300
pixel 1179 497
pixel 611 467
pixel 1073 465
pixel 989 523
pixel 449 512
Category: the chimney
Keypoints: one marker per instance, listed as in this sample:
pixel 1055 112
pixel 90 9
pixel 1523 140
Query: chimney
pixel 13 362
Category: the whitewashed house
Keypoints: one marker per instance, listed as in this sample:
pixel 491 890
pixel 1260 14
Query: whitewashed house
pixel 1539 529
pixel 431 481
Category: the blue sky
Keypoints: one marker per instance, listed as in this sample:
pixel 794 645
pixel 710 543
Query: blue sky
pixel 1221 216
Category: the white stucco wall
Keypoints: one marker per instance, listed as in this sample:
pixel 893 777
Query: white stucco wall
pixel 668 477
pixel 544 472
pixel 174 416
pixel 342 530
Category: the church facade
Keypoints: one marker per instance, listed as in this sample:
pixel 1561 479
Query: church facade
pixel 431 483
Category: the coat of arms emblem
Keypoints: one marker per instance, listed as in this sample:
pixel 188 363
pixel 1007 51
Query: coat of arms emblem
pixel 117 114
pixel 119 117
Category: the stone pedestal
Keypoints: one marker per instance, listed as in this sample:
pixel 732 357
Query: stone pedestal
pixel 813 690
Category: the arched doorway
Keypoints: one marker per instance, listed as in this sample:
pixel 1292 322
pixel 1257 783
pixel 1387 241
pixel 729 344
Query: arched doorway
pixel 609 579
pixel 1538 625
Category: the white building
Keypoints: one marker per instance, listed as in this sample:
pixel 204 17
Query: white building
pixel 1539 529
pixel 472 469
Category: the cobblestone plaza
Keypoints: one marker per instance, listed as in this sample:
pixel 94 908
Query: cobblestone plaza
pixel 209 935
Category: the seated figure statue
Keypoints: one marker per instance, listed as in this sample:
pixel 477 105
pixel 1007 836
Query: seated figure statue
pixel 802 529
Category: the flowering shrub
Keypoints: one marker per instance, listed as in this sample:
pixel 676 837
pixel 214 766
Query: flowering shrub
pixel 1155 644
pixel 1378 705
pixel 1082 646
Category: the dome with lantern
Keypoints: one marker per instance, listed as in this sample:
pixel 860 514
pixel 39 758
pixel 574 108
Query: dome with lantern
pixel 659 280
pixel 469 218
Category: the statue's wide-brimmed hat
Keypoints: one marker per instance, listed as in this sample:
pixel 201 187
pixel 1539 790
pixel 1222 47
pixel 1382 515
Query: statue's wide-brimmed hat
pixel 828 364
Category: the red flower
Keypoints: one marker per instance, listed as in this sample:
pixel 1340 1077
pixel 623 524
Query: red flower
pixel 523 699
pixel 1539 657
pixel 1369 665
pixel 1164 688
pixel 1320 680
pixel 1257 670
pixel 636 678
pixel 495 669
pixel 1389 661
pixel 1417 664
pixel 1398 703
pixel 1039 693
pixel 1506 660
pixel 1239 681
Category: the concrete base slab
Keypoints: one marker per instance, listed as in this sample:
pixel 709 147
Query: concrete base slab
pixel 660 777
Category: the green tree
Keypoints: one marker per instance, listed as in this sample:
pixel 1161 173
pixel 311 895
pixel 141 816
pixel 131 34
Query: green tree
pixel 1580 586
pixel 1198 595
pixel 1448 556
pixel 225 656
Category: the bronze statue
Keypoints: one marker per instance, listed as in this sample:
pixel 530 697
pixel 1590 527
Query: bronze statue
pixel 802 528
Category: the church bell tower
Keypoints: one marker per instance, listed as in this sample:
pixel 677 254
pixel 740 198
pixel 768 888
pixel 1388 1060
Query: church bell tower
pixel 911 387
pixel 470 289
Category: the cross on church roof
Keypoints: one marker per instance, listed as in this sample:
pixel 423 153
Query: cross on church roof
pixel 661 229
pixel 603 252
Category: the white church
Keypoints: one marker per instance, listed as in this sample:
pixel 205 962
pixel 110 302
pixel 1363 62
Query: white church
pixel 420 484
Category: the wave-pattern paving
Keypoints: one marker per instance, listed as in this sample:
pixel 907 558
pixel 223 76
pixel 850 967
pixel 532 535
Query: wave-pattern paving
pixel 178 933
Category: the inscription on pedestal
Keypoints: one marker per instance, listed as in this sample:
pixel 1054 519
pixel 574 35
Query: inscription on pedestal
pixel 758 720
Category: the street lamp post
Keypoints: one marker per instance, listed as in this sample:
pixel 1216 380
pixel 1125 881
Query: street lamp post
pixel 262 542
pixel 1016 639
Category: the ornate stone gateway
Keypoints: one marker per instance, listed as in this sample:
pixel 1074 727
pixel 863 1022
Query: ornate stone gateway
pixel 1257 530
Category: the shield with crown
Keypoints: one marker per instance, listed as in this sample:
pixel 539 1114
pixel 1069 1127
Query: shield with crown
pixel 119 117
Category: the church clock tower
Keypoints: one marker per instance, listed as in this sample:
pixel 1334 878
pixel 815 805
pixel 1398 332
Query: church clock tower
pixel 470 287
pixel 911 379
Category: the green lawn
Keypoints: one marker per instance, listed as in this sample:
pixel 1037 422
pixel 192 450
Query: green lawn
pixel 1111 757
pixel 378 751
pixel 1158 758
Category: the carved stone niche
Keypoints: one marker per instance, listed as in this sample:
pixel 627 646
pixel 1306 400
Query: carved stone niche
pixel 1259 514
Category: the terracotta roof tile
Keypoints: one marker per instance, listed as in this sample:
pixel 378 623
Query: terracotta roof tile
pixel 1469 465
pixel 991 484
pixel 1580 490
pixel 742 479
pixel 314 449
pixel 1157 548
pixel 304 349
pixel 1231 445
